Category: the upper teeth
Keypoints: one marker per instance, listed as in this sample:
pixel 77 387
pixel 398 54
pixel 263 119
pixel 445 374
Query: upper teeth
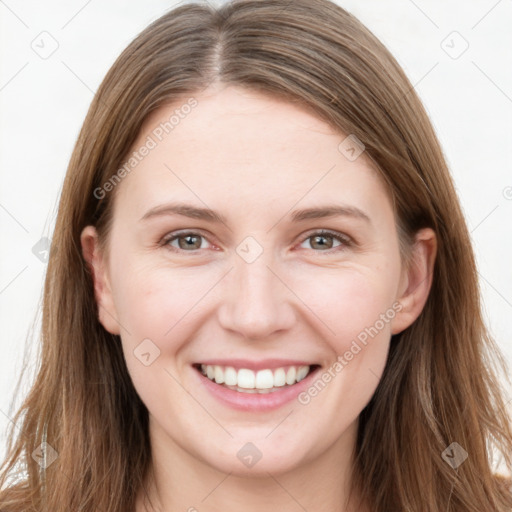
pixel 248 379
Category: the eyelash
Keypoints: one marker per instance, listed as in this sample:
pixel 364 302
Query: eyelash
pixel 343 239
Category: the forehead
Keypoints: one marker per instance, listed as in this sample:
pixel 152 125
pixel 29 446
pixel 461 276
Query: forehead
pixel 245 147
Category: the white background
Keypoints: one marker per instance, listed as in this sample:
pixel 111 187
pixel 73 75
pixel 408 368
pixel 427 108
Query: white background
pixel 44 101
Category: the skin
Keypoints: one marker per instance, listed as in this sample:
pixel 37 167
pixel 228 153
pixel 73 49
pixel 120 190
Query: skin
pixel 254 159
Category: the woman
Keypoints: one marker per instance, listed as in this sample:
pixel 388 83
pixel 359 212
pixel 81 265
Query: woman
pixel 261 289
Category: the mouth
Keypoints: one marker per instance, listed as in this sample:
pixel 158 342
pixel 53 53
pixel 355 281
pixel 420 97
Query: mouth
pixel 262 381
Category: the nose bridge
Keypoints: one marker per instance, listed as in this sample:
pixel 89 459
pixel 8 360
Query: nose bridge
pixel 256 302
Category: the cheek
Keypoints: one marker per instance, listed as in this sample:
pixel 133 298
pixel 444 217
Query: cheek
pixel 348 302
pixel 356 309
pixel 156 308
pixel 152 301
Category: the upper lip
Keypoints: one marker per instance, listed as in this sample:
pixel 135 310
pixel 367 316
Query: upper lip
pixel 251 364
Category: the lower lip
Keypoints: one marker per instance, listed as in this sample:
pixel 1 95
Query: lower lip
pixel 255 401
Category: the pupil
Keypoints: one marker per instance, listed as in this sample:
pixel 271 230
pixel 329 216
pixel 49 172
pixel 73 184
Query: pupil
pixel 322 237
pixel 188 238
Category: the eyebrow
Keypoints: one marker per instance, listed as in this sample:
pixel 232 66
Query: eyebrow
pixel 207 214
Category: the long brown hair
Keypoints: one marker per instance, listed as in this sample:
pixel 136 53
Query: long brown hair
pixel 441 381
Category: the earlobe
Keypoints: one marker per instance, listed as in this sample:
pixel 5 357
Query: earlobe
pixel 417 280
pixel 102 289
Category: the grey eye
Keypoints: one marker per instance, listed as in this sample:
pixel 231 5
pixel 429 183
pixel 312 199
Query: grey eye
pixel 186 241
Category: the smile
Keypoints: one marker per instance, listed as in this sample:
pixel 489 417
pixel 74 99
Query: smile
pixel 266 386
pixel 245 380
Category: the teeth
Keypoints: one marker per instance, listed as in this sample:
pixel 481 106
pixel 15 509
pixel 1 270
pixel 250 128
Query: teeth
pixel 218 375
pixel 248 381
pixel 302 372
pixel 230 376
pixel 279 377
pixel 290 375
pixel 264 379
pixel 246 378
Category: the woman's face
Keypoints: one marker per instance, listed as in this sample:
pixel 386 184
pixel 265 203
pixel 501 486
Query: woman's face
pixel 243 279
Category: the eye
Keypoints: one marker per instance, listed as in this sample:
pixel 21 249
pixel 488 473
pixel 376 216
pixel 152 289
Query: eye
pixel 323 240
pixel 187 241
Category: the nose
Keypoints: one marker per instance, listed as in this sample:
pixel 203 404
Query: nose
pixel 256 303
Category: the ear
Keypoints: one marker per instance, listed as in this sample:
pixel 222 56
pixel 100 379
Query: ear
pixel 416 280
pixel 102 290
